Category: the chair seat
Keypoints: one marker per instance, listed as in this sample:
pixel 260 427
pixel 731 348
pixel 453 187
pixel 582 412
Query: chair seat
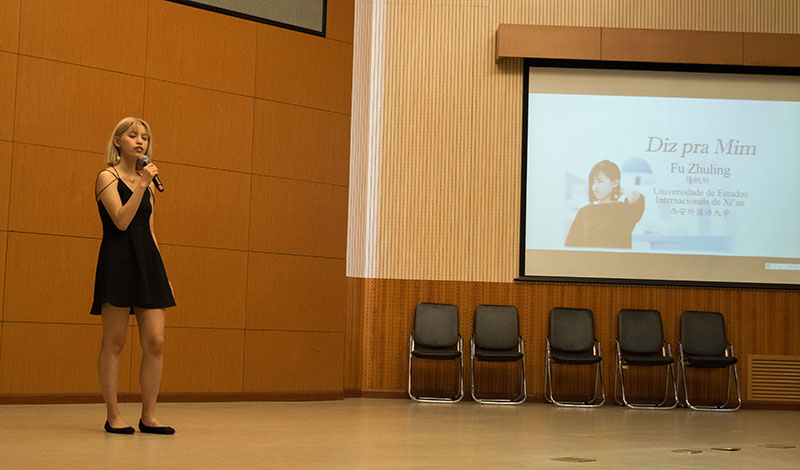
pixel 435 353
pixel 710 362
pixel 574 358
pixel 645 359
pixel 490 355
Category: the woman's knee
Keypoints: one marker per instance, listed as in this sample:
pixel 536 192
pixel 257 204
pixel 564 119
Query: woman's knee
pixel 153 344
pixel 113 344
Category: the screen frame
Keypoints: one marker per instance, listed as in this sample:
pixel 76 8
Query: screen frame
pixel 260 19
pixel 627 65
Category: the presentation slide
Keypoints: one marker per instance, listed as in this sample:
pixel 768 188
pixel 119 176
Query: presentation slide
pixel 670 176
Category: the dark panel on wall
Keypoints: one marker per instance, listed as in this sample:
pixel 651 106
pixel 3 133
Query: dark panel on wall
pixel 299 15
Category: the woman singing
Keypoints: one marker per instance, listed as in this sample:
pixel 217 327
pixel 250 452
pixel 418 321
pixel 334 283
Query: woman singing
pixel 130 276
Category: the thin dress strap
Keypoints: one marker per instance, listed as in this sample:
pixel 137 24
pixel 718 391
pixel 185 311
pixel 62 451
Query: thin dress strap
pixel 116 178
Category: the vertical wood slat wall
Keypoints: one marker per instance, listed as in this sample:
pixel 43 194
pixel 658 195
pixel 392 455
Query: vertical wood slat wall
pixel 441 140
pixel 437 142
pixel 251 133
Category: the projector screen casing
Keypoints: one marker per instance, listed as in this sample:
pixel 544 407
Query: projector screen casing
pixel 711 269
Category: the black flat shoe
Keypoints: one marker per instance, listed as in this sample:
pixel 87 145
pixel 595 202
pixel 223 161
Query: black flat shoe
pixel 125 430
pixel 155 429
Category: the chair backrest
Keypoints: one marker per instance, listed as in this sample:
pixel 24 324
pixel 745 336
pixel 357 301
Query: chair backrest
pixel 436 325
pixel 703 333
pixel 496 327
pixel 571 329
pixel 640 331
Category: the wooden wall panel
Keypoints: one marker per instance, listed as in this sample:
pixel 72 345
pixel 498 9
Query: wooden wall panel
pixel 196 360
pixel 72 107
pixel 202 207
pixel 758 322
pixel 62 359
pixel 74 211
pixel 210 286
pixel 353 334
pixel 199 127
pixel 68 31
pixel 296 293
pixel 50 278
pixel 8 84
pixel 297 217
pixel 198 47
pixel 771 49
pixel 340 16
pixel 697 47
pixel 321 79
pixel 561 42
pixel 9 25
pixel 760 49
pixel 5 182
pixel 66 77
pixel 3 267
pixel 301 143
pixel 292 362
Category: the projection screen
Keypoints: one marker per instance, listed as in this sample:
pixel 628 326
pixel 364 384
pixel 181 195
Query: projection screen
pixel 706 186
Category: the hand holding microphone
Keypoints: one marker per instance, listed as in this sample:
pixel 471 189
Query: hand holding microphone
pixel 144 160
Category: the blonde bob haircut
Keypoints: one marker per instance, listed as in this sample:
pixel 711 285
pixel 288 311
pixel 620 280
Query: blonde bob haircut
pixel 112 151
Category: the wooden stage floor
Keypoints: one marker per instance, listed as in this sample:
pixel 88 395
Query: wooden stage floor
pixel 393 433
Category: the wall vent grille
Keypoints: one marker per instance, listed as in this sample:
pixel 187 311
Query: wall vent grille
pixel 773 378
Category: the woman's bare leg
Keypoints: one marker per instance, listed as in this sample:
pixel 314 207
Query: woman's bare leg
pixel 151 337
pixel 115 330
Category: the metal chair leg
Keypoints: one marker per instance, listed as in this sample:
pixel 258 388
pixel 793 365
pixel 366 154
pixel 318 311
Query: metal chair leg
pixel 455 399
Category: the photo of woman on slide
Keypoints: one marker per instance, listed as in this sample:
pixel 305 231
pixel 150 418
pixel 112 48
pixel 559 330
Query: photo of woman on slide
pixel 609 218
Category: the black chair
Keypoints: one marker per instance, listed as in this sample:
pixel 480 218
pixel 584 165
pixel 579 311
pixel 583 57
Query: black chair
pixel 571 341
pixel 704 345
pixel 435 337
pixel 640 342
pixel 496 338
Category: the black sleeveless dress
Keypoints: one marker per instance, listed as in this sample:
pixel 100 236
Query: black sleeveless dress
pixel 130 272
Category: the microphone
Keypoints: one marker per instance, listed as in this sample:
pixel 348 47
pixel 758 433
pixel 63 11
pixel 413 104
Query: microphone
pixel 144 160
